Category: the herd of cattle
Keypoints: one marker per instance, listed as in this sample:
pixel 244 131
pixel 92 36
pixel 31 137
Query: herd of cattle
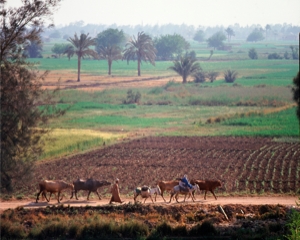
pixel 91 185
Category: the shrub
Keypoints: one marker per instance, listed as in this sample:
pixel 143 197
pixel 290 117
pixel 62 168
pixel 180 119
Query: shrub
pixel 293 225
pixel 252 53
pixel 199 77
pixel 274 56
pixel 206 228
pixel 132 97
pixel 230 76
pixel 212 75
pixel 133 230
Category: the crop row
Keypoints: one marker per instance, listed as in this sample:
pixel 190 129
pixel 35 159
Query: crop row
pixel 242 164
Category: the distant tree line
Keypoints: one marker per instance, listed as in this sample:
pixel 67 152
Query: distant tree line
pixel 189 32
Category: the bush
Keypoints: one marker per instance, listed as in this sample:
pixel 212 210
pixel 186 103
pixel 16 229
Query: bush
pixel 199 77
pixel 274 56
pixel 293 225
pixel 252 53
pixel 230 76
pixel 132 97
pixel 212 75
pixel 206 228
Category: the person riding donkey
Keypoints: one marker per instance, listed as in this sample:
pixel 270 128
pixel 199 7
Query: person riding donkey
pixel 185 184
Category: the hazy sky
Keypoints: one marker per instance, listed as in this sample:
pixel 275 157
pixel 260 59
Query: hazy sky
pixel 191 12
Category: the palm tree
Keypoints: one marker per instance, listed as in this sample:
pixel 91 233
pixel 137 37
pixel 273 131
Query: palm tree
pixel 141 49
pixel 80 47
pixel 230 33
pixel 230 76
pixel 185 67
pixel 111 53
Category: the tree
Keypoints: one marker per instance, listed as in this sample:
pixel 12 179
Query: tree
pixel 216 40
pixel 252 53
pixel 59 49
pixel 24 103
pixel 268 28
pixel 110 53
pixel 255 36
pixel 185 67
pixel 33 50
pixel 295 52
pixel 80 47
pixel 108 45
pixel 109 37
pixel 140 48
pixel 230 33
pixel 168 46
pixel 230 76
pixel 296 93
pixel 199 36
pixel 55 34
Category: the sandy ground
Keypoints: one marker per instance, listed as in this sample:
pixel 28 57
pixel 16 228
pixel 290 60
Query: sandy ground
pixel 282 200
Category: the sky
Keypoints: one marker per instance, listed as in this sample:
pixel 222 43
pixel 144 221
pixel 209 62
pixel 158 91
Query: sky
pixel 190 12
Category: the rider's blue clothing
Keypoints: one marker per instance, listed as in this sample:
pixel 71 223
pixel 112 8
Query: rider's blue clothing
pixel 186 182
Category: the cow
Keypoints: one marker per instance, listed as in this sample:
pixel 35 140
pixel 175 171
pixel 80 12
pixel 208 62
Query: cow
pixel 166 186
pixel 90 185
pixel 55 186
pixel 207 185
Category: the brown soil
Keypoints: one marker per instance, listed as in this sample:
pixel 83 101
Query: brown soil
pixel 68 80
pixel 245 166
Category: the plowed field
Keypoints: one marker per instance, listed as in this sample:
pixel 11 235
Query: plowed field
pixel 242 164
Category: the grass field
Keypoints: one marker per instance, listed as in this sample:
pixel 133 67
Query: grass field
pixel 246 107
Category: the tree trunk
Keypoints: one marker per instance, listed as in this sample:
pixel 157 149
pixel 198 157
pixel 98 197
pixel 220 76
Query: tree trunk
pixel 184 79
pixel 109 67
pixel 139 67
pixel 79 65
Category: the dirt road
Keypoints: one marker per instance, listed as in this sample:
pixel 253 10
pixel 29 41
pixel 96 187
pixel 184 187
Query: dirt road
pixel 282 200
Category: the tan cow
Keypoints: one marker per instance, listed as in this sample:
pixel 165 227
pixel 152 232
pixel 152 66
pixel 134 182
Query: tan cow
pixel 55 186
pixel 166 186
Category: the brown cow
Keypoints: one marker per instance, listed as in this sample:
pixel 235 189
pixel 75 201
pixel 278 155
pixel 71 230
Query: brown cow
pixel 207 185
pixel 90 185
pixel 55 186
pixel 166 186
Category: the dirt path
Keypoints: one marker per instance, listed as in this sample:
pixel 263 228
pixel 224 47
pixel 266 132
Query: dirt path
pixel 282 200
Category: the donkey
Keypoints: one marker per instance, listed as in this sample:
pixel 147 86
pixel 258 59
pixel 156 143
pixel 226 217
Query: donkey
pixel 178 190
pixel 146 192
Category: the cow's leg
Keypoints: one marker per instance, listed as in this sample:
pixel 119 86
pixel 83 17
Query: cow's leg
pixel 155 196
pixel 171 197
pixel 98 194
pixel 76 194
pixel 45 196
pixel 88 195
pixel 151 199
pixel 58 197
pixel 213 194
pixel 72 195
pixel 162 195
pixel 37 196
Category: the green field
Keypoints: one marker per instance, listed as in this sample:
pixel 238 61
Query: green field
pixel 247 107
